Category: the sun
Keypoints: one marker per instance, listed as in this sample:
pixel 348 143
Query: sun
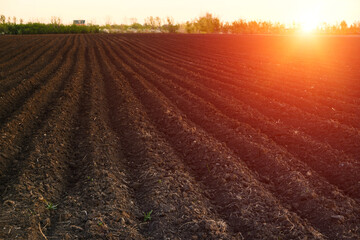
pixel 309 22
pixel 310 16
pixel 308 27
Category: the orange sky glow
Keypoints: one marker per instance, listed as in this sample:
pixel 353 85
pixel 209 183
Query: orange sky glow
pixel 306 12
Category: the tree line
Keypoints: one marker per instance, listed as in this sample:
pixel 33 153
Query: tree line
pixel 210 24
pixel 151 25
pixel 207 23
pixel 12 26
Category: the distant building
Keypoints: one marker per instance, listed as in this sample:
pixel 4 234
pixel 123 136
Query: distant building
pixel 79 22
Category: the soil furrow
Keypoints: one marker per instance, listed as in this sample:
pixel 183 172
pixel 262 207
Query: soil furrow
pixel 40 174
pixel 288 58
pixel 207 162
pixel 337 168
pixel 326 108
pixel 290 116
pixel 35 67
pixel 14 52
pixel 32 115
pixel 5 43
pixel 96 203
pixel 16 66
pixel 16 97
pixel 250 69
pixel 158 174
pixel 25 54
pixel 175 136
pixel 208 121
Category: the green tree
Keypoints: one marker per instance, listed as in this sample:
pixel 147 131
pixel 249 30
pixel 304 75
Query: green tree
pixel 136 26
pixel 208 24
pixel 355 28
pixel 226 28
pixel 190 27
pixel 253 27
pixel 239 26
pixel 343 26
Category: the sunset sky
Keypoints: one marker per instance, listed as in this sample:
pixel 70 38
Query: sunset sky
pixel 121 11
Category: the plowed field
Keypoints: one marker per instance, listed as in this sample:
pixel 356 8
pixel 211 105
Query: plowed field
pixel 218 136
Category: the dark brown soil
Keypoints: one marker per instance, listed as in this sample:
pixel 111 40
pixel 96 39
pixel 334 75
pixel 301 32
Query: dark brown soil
pixel 218 136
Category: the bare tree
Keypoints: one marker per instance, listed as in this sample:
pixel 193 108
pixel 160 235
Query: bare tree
pixel 170 26
pixel 150 22
pixel 170 20
pixel 108 20
pixel 56 21
pixel 133 21
pixel 2 19
pixel 53 20
pixel 92 21
pixel 158 22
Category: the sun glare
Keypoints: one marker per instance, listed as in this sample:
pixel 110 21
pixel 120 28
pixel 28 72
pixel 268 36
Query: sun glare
pixel 310 17
pixel 308 27
pixel 309 22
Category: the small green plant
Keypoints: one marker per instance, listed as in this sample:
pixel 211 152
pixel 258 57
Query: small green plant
pixel 51 206
pixel 31 212
pixel 89 178
pixel 208 168
pixel 147 216
pixel 100 223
